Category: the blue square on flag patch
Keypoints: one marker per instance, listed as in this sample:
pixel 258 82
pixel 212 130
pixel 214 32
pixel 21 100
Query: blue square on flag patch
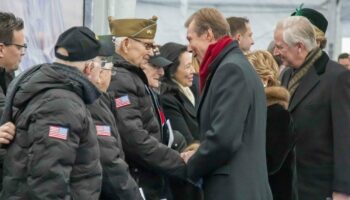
pixel 103 130
pixel 122 101
pixel 58 132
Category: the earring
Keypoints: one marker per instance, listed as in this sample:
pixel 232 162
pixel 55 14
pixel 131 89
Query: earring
pixel 265 84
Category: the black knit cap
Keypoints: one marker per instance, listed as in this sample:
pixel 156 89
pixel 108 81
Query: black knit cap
pixel 315 17
pixel 81 44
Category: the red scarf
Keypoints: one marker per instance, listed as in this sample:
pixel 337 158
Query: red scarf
pixel 211 53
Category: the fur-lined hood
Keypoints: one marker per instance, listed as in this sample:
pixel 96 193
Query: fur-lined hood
pixel 276 94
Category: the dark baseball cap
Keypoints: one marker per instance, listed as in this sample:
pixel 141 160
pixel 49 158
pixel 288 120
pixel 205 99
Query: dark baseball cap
pixel 81 44
pixel 159 61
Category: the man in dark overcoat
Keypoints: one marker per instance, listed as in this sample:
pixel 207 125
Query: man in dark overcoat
pixel 320 96
pixel 231 159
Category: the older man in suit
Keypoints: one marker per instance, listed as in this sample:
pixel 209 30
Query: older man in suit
pixel 320 96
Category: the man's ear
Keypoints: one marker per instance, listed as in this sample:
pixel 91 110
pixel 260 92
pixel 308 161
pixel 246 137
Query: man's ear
pixel 88 68
pixel 210 35
pixel 125 45
pixel 300 46
pixel 2 49
pixel 238 37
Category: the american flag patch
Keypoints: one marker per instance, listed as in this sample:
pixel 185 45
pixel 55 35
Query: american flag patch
pixel 103 130
pixel 122 101
pixel 58 132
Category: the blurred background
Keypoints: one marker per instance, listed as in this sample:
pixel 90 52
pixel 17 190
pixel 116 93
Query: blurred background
pixel 46 19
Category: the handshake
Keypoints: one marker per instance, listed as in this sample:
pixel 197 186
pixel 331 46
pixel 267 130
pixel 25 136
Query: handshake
pixel 189 151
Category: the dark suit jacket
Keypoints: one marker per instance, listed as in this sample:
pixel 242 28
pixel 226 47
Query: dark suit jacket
pixel 181 112
pixel 320 109
pixel 232 119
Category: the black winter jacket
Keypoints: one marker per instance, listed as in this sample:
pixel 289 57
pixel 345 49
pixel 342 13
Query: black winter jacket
pixel 55 153
pixel 117 182
pixel 140 131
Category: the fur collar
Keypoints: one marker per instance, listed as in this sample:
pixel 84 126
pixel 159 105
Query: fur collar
pixel 277 95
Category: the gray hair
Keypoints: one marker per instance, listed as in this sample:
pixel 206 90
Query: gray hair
pixel 297 29
pixel 118 41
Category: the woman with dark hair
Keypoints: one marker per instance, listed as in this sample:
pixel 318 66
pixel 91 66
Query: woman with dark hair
pixel 177 99
pixel 178 102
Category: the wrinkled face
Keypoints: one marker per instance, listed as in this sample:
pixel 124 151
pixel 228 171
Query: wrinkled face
pixel 345 62
pixel 107 70
pixel 11 54
pixel 198 45
pixel 246 39
pixel 139 51
pixel 153 74
pixel 185 70
pixel 288 54
pixel 93 70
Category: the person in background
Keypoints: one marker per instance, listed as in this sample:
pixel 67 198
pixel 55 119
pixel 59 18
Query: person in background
pixel 12 48
pixel 280 136
pixel 242 32
pixel 344 59
pixel 231 158
pixel 177 99
pixel 318 21
pixel 55 153
pixel 319 105
pixel 117 182
pixel 150 158
pixel 178 102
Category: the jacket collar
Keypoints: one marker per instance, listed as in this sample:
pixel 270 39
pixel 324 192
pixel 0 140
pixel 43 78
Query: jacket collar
pixel 309 82
pixel 120 62
pixel 213 67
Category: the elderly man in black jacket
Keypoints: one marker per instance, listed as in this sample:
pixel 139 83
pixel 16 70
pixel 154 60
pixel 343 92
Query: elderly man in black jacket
pixel 137 118
pixel 55 153
pixel 117 183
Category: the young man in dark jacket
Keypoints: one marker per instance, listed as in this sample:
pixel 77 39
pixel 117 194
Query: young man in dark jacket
pixel 55 154
pixel 149 159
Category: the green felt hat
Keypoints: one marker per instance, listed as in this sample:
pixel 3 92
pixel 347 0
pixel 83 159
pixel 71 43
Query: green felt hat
pixel 134 28
pixel 315 17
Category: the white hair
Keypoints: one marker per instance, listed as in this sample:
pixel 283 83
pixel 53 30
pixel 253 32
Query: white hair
pixel 297 29
pixel 118 41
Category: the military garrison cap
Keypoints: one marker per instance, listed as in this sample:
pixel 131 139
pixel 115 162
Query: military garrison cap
pixel 134 28
pixel 315 17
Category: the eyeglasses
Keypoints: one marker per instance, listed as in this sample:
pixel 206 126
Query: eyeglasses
pixel 108 66
pixel 19 47
pixel 147 45
pixel 113 71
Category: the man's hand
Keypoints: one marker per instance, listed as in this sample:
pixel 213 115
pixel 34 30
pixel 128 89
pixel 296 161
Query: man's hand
pixel 340 196
pixel 7 132
pixel 192 147
pixel 187 155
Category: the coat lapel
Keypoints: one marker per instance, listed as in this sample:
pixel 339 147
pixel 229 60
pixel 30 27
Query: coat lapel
pixel 310 80
pixel 188 106
pixel 212 67
pixel 286 77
